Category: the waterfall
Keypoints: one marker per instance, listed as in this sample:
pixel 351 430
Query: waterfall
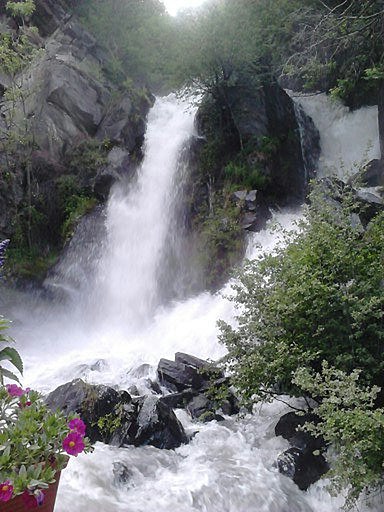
pixel 138 220
pixel 122 322
pixel 348 139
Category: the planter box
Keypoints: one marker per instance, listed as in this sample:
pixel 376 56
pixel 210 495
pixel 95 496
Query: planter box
pixel 17 504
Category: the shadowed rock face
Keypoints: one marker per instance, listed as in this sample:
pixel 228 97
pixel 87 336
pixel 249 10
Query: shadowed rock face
pixel 67 101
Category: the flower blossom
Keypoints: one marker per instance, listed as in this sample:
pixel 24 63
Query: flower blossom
pixel 77 425
pixel 6 491
pixel 15 390
pixel 73 444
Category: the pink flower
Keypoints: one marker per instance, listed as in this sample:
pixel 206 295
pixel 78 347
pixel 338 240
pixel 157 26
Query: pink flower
pixel 6 491
pixel 73 444
pixel 28 403
pixel 14 390
pixel 77 425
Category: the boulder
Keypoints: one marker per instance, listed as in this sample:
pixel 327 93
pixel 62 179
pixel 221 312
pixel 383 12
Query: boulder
pixel 178 376
pixel 178 400
pixel 303 462
pixel 371 176
pixel 113 417
pixel 303 467
pixel 91 402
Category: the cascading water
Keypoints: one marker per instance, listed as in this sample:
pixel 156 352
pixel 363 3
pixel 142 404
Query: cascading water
pixel 228 466
pixel 349 139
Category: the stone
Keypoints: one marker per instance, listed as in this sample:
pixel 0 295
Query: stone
pixel 122 474
pixel 303 467
pixel 178 400
pixel 303 462
pixel 90 402
pixel 139 422
pixel 178 376
pixel 199 406
pixel 151 423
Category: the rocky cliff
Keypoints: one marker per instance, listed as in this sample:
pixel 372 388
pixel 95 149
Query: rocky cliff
pixel 67 132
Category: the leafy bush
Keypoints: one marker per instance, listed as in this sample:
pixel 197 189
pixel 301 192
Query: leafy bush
pixel 310 323
pixel 319 298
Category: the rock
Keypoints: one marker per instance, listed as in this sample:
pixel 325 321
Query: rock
pixel 50 14
pixel 371 176
pixel 122 474
pixel 158 426
pixel 302 466
pixel 255 207
pixel 124 123
pixel 199 406
pixel 141 421
pixel 90 402
pixel 178 376
pixel 178 400
pixel 299 461
pixel 189 360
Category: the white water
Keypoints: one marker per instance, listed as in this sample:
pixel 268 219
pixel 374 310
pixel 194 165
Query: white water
pixel 348 139
pixel 228 467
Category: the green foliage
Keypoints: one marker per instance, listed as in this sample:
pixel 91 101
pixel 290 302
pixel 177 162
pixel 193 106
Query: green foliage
pixel 88 157
pixel 221 240
pixel 138 36
pixel 76 208
pixel 8 353
pixel 353 426
pixel 319 298
pixel 109 423
pixel 21 8
pixel 245 176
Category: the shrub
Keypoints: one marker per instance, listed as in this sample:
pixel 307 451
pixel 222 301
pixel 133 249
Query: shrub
pixel 319 298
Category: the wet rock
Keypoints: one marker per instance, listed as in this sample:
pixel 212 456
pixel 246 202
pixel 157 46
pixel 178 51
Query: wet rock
pixel 122 474
pixel 371 176
pixel 255 208
pixel 90 402
pixel 303 462
pixel 303 467
pixel 178 400
pixel 113 417
pixel 178 376
pixel 199 406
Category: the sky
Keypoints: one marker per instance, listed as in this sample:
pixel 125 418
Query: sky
pixel 175 5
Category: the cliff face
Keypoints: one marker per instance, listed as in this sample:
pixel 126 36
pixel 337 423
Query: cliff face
pixel 256 151
pixel 66 132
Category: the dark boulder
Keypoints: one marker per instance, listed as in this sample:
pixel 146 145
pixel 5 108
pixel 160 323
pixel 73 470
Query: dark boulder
pixel 178 400
pixel 157 425
pixel 371 176
pixel 303 462
pixel 90 402
pixel 201 387
pixel 113 417
pixel 303 467
pixel 178 376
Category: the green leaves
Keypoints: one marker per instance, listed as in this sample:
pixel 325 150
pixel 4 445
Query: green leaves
pixel 21 8
pixel 318 302
pixel 8 354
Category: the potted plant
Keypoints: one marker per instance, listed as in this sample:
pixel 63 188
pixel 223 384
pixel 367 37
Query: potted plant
pixel 35 442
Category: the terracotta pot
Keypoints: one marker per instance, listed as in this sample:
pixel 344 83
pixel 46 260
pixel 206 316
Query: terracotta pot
pixel 18 504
